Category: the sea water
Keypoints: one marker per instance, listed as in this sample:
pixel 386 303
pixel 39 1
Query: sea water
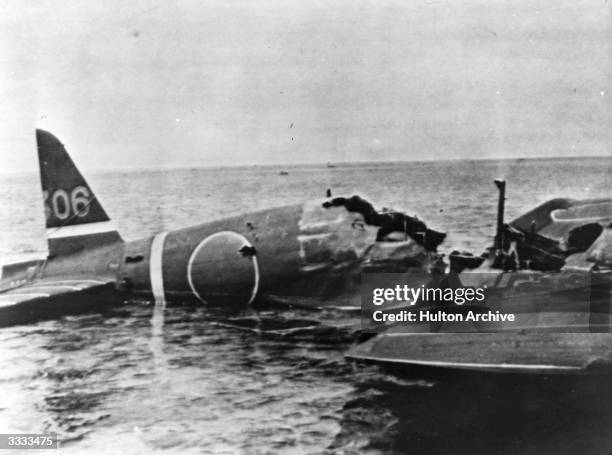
pixel 196 380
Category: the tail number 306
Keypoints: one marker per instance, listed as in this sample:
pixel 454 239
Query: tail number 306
pixel 62 205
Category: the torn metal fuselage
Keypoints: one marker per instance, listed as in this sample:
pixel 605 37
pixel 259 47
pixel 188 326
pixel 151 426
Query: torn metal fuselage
pixel 557 235
pixel 551 268
pixel 306 254
pixel 552 264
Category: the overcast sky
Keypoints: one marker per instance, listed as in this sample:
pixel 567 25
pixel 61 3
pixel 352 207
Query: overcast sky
pixel 195 83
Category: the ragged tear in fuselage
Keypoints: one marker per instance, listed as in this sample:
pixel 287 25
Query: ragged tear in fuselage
pixel 332 235
pixel 390 222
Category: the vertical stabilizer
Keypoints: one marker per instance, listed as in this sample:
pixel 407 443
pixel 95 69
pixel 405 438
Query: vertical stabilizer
pixel 75 220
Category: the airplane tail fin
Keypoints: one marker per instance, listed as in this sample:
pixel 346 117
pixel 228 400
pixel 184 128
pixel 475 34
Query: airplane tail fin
pixel 75 220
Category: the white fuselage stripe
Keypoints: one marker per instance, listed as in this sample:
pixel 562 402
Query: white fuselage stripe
pixel 80 229
pixel 156 270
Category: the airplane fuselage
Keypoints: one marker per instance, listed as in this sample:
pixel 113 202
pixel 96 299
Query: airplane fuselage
pixel 299 251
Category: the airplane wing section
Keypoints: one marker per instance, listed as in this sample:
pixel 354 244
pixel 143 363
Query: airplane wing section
pixel 23 301
pixel 539 353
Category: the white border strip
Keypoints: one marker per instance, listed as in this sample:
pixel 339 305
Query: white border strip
pixel 156 271
pixel 80 229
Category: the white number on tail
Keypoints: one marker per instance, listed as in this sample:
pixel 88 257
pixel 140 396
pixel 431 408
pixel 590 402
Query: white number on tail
pixel 80 201
pixel 62 205
pixel 48 211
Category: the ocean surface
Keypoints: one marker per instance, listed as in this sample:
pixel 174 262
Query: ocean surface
pixel 195 380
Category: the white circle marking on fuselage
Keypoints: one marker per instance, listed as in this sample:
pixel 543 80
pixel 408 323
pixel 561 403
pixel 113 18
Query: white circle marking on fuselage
pixel 207 240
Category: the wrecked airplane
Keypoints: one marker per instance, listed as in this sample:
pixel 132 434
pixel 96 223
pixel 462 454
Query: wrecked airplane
pixel 306 254
pixel 557 235
pixel 313 254
pixel 552 269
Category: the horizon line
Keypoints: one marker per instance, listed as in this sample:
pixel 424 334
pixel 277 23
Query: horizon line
pixel 326 164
